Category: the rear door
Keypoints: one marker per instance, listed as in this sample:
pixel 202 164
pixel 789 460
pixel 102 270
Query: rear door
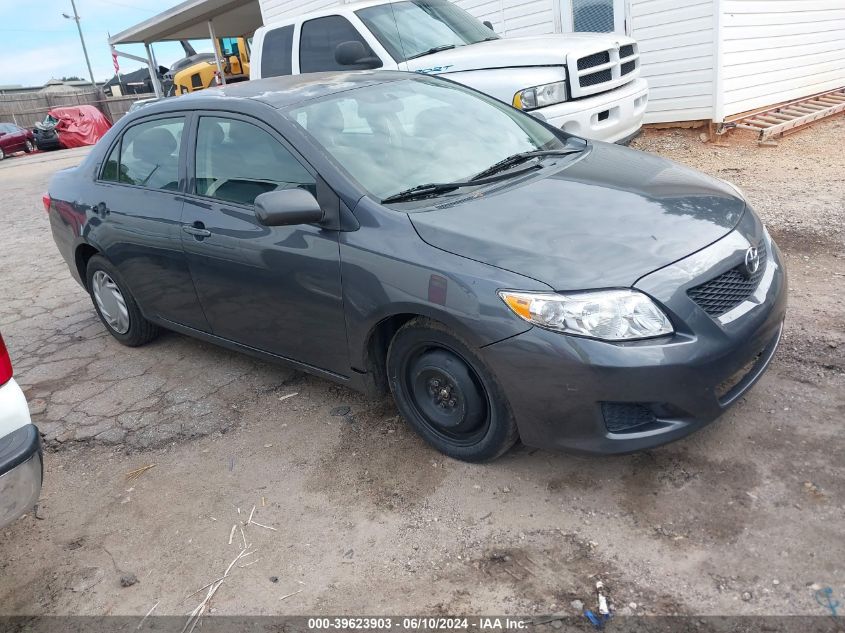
pixel 276 289
pixel 137 207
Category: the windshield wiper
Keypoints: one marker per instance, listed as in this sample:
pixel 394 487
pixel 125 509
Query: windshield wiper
pixel 428 189
pixel 521 157
pixel 435 49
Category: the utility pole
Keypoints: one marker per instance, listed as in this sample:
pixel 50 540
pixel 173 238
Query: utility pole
pixel 75 18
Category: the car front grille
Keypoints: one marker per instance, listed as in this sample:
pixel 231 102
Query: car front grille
pixel 603 70
pixel 621 417
pixel 728 290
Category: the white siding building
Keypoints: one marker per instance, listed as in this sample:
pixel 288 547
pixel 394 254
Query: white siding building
pixel 704 59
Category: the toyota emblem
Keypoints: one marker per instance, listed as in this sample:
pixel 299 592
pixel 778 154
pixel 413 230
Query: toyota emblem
pixel 752 260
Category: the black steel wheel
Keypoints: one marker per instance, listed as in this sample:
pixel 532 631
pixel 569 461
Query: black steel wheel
pixel 447 394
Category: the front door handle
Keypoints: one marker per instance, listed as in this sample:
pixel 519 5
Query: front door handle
pixel 197 229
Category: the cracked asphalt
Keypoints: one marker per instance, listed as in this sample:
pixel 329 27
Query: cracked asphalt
pixel 744 517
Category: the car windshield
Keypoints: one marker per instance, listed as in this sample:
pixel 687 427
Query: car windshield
pixel 402 134
pixel 411 29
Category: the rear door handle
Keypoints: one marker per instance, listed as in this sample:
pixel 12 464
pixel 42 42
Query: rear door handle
pixel 197 230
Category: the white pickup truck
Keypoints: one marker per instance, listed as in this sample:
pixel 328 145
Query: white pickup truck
pixel 584 83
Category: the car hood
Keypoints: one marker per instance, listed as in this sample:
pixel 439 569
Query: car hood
pixel 541 50
pixel 608 218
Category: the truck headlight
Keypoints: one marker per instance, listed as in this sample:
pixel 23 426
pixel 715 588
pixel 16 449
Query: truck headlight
pixel 540 96
pixel 608 315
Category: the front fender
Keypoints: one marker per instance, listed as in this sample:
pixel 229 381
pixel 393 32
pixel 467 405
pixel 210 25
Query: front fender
pixel 388 270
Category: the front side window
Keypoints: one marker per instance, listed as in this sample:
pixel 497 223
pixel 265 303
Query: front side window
pixel 397 135
pixel 318 39
pixel 276 52
pixel 413 28
pixel 237 161
pixel 147 155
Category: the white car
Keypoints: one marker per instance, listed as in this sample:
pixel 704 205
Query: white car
pixel 587 84
pixel 20 448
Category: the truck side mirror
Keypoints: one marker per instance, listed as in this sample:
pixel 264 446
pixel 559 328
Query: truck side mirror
pixel 354 53
pixel 488 24
pixel 287 207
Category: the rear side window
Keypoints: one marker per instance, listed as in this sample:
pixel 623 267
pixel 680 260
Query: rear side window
pixel 318 39
pixel 237 161
pixel 276 52
pixel 147 155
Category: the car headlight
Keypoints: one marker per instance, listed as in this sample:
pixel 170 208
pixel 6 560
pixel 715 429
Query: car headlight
pixel 540 96
pixel 609 315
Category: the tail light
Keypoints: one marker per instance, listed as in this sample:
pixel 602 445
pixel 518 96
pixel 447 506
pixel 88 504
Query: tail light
pixel 47 202
pixel 5 363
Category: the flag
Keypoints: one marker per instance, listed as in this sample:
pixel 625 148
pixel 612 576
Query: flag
pixel 114 60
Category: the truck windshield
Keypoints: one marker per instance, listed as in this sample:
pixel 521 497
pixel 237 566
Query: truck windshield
pixel 414 28
pixel 401 134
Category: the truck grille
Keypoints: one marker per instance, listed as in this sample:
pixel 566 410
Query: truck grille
pixel 595 59
pixel 603 70
pixel 728 290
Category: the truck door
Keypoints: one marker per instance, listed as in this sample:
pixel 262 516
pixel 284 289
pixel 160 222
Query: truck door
pixel 318 39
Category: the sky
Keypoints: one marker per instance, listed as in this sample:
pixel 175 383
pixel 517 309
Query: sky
pixel 39 44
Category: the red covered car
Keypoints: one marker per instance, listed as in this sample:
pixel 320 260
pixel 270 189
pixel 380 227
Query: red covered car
pixel 71 126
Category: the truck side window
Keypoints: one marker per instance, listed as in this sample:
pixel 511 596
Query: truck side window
pixel 318 39
pixel 276 53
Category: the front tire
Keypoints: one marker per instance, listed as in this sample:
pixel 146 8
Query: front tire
pixel 115 305
pixel 27 146
pixel 447 394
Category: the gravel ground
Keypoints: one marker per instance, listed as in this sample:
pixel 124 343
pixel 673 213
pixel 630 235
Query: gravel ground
pixel 745 517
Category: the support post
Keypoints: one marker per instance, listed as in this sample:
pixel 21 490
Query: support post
pixel 153 72
pixel 213 36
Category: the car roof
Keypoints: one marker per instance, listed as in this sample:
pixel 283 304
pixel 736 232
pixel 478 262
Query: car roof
pixel 281 92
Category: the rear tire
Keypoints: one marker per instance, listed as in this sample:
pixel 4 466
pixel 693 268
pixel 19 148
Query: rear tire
pixel 447 394
pixel 115 305
pixel 2 154
pixel 27 146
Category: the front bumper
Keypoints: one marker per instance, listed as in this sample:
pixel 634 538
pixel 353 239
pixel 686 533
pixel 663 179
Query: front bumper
pixel 21 472
pixel 612 116
pixel 558 386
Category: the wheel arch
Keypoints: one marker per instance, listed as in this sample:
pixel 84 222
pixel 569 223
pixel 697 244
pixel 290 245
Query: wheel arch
pixel 371 358
pixel 82 254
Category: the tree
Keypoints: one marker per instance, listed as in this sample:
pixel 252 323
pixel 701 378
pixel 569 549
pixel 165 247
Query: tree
pixel 72 78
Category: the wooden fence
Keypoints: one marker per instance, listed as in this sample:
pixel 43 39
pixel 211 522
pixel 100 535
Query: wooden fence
pixel 28 108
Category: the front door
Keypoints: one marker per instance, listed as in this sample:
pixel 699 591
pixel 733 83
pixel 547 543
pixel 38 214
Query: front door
pixel 596 16
pixel 276 289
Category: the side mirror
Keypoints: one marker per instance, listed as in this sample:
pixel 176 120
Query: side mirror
pixel 354 53
pixel 287 207
pixel 488 24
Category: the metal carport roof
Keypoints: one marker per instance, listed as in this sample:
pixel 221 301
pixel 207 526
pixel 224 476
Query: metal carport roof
pixel 189 20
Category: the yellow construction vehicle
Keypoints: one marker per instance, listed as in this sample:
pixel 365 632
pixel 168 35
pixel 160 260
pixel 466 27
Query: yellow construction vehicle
pixel 202 73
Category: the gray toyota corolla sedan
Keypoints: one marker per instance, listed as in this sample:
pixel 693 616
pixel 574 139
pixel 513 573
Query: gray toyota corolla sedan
pixel 386 230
